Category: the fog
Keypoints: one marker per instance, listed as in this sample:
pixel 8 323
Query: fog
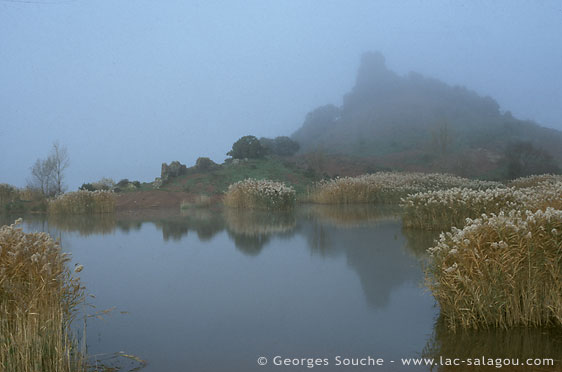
pixel 126 85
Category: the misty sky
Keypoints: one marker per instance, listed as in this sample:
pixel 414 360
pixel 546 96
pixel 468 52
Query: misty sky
pixel 129 84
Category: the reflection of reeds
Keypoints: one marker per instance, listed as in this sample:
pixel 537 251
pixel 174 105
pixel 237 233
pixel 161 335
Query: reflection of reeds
pixel 260 194
pixel 38 300
pixel 84 224
pixel 83 202
pixel 352 215
pixel 503 271
pixel 254 223
pixel 522 343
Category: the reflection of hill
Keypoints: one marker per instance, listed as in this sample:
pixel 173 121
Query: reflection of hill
pixel 376 253
pixel 414 122
pixel 370 238
pixel 418 241
pixel 522 343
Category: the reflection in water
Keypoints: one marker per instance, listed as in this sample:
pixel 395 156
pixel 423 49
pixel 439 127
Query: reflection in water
pixel 85 224
pixel 522 343
pixel 351 215
pixel 418 241
pixel 363 249
pixel 252 230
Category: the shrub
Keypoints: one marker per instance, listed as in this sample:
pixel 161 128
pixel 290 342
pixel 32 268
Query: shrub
pixel 87 187
pixel 500 270
pixel 104 184
pixel 82 202
pixel 38 302
pixel 123 183
pixel 260 194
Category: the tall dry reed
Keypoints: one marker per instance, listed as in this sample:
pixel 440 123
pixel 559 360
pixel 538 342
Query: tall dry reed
pixel 500 270
pixel 260 194
pixel 386 187
pixel 83 202
pixel 442 209
pixel 39 298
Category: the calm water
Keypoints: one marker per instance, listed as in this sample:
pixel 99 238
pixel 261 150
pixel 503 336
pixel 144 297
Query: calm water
pixel 213 291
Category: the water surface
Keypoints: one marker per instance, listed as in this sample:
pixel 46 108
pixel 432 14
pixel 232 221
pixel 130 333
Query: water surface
pixel 215 290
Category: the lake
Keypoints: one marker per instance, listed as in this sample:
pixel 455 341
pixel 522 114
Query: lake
pixel 205 290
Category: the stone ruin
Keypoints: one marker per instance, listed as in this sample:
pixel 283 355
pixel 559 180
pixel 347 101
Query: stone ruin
pixel 175 169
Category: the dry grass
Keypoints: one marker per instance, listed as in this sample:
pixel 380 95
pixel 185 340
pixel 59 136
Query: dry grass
pixel 442 209
pixel 8 194
pixel 260 194
pixel 530 181
pixel 386 187
pixel 38 301
pixel 500 271
pixel 83 202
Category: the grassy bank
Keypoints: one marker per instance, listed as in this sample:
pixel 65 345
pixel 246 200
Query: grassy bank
pixel 217 180
pixel 38 302
pixel 500 270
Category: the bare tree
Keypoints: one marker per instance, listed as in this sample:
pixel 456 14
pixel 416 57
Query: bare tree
pixel 47 174
pixel 42 176
pixel 61 161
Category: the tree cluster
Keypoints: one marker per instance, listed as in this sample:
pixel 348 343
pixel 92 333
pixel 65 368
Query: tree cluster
pixel 247 147
pixel 281 146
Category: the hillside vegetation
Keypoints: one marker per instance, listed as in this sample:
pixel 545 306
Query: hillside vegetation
pixel 417 123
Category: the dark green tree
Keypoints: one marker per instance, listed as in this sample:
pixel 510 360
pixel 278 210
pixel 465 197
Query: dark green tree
pixel 247 147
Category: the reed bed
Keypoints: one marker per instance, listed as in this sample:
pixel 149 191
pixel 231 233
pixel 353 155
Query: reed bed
pixel 442 209
pixel 260 194
pixel 39 299
pixel 8 194
pixel 535 180
pixel 83 202
pixel 387 187
pixel 500 270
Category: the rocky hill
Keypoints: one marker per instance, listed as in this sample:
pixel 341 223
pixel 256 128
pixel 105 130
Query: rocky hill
pixel 414 122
